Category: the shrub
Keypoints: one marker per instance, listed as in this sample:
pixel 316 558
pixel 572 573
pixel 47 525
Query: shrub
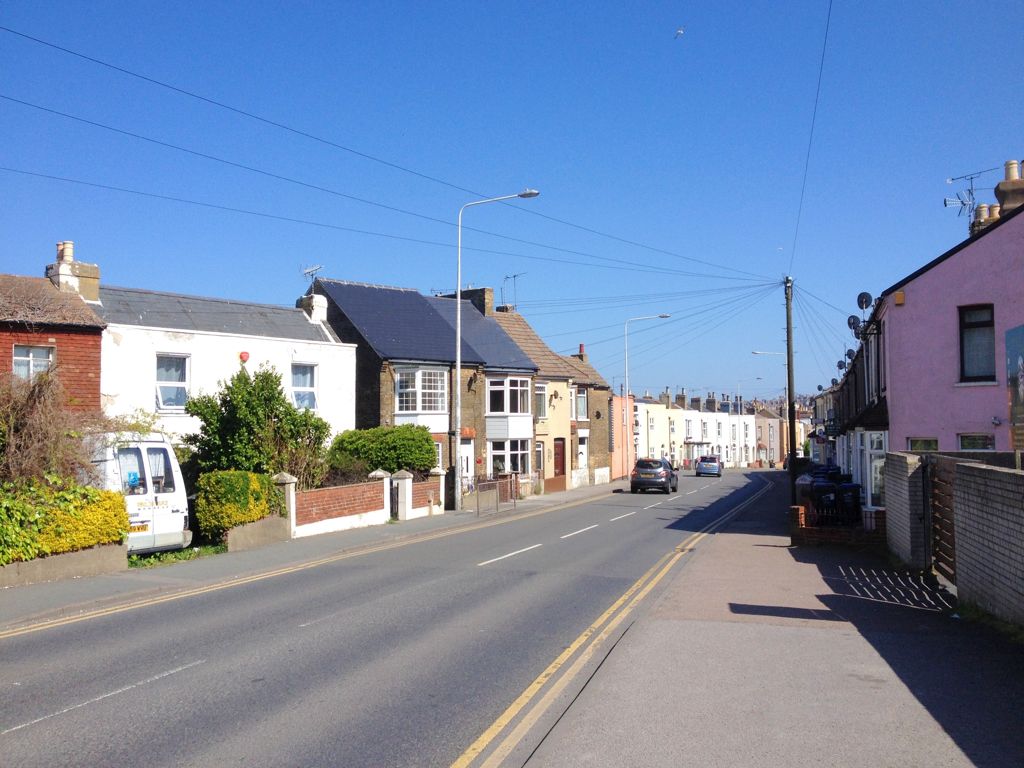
pixel 389 448
pixel 250 425
pixel 230 498
pixel 39 434
pixel 53 516
pixel 101 518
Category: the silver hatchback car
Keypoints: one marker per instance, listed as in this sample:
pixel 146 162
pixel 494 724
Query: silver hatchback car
pixel 709 465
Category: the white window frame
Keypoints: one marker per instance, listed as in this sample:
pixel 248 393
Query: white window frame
pixel 506 450
pixel 184 385
pixel 419 389
pixel 512 388
pixel 296 391
pixel 540 400
pixel 31 362
pixel 579 395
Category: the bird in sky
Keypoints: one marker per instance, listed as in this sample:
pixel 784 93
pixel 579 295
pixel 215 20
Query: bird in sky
pixel 679 33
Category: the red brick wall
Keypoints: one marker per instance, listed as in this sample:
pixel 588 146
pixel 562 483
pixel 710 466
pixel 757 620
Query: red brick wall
pixel 425 492
pixel 340 501
pixel 76 355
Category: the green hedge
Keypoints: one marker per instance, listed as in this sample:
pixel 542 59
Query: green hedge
pixel 39 518
pixel 233 497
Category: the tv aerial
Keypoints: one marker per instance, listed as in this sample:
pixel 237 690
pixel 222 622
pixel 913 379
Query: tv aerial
pixel 965 200
pixel 515 293
pixel 310 272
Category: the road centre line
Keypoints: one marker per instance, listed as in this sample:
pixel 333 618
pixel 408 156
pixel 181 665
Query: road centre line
pixel 622 516
pixel 510 554
pixel 640 589
pixel 581 530
pixel 653 505
pixel 693 491
pixel 239 581
pixel 126 688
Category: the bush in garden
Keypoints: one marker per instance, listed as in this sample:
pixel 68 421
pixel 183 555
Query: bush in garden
pixel 389 448
pixel 250 425
pixel 51 516
pixel 233 497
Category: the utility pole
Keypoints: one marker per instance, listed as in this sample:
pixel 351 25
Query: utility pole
pixel 790 391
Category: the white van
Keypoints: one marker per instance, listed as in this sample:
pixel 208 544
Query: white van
pixel 145 469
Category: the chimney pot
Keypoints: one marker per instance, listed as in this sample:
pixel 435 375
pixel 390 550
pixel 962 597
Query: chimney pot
pixel 993 211
pixel 582 351
pixel 982 212
pixel 1012 170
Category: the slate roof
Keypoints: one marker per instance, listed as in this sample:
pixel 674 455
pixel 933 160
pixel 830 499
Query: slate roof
pixel 485 334
pixel 153 309
pixel 549 364
pixel 397 323
pixel 36 301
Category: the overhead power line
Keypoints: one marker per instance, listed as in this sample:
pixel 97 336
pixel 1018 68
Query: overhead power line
pixel 334 192
pixel 364 155
pixel 810 139
pixel 627 266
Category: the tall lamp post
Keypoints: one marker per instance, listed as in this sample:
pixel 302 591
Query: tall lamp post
pixel 526 193
pixel 625 407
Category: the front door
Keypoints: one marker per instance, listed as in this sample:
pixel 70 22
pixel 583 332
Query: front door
pixel 466 457
pixel 557 483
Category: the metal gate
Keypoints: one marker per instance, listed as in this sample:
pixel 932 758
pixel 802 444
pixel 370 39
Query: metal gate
pixel 940 471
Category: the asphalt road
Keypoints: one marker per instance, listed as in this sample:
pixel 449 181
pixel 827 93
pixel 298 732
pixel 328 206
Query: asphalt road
pixel 401 657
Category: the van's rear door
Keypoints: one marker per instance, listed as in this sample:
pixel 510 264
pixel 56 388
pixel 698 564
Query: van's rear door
pixel 138 499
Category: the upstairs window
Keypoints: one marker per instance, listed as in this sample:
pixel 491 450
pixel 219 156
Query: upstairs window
pixel 421 390
pixel 171 382
pixel 508 396
pixel 579 404
pixel 29 361
pixel 304 386
pixel 540 400
pixel 977 343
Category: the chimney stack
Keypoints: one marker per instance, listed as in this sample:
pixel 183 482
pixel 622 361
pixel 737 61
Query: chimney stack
pixel 1010 191
pixel 72 276
pixel 315 307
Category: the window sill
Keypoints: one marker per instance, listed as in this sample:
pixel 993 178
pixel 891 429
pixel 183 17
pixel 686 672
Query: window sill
pixel 976 384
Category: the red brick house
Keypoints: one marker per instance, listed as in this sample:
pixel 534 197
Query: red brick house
pixel 42 327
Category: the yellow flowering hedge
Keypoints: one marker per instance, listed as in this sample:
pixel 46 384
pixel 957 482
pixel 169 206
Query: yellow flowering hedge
pixel 230 498
pixel 52 516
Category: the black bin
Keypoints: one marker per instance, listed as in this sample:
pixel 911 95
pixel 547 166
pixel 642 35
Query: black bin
pixel 849 503
pixel 824 495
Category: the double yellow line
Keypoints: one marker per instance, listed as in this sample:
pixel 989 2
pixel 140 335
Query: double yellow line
pixel 591 640
pixel 237 582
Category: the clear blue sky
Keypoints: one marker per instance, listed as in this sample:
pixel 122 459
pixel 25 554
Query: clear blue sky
pixel 690 150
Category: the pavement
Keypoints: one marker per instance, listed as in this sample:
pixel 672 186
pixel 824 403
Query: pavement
pixel 754 653
pixel 757 653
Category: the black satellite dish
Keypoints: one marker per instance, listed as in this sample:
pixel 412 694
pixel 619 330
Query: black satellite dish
pixel 852 322
pixel 850 354
pixel 841 364
pixel 863 299
pixel 821 388
pixel 856 332
pixel 834 382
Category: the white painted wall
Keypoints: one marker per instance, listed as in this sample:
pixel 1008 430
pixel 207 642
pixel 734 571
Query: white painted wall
pixel 128 371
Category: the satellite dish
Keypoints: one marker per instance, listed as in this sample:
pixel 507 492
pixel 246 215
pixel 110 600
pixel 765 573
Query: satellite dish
pixel 850 354
pixel 821 388
pixel 863 299
pixel 834 382
pixel 856 332
pixel 852 322
pixel 841 364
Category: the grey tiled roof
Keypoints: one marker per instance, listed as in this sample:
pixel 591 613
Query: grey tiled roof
pixel 130 306
pixel 485 335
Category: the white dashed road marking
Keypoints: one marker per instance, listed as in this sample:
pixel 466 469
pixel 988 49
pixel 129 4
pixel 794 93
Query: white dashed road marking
pixel 622 516
pixel 510 554
pixel 581 530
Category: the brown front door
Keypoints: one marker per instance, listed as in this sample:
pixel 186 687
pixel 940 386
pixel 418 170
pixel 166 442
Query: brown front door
pixel 557 483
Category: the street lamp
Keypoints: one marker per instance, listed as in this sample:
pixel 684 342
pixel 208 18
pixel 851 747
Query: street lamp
pixel 526 194
pixel 625 407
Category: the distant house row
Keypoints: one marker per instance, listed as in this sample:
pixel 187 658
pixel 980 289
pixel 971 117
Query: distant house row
pixel 939 363
pixel 358 355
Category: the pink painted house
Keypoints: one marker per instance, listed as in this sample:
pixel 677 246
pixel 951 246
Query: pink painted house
pixel 931 370
pixel 944 338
